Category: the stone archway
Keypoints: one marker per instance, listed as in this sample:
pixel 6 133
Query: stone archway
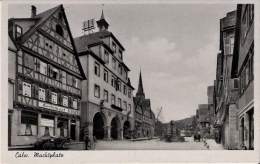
pixel 99 122
pixel 115 128
pixel 127 130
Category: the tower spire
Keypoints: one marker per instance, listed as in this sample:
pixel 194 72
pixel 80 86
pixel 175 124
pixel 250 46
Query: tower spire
pixel 102 23
pixel 102 15
pixel 140 91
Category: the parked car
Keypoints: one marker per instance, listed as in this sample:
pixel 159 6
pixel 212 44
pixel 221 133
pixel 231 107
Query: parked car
pixel 52 142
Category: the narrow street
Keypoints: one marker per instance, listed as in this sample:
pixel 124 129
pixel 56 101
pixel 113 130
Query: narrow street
pixel 154 144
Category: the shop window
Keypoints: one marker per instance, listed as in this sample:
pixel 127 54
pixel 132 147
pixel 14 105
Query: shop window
pixel 106 56
pixel 105 75
pixel 97 91
pixel 41 94
pixel 29 121
pixel 113 99
pixel 105 96
pixel 114 63
pixel 97 69
pixel 119 102
pixel 27 89
pixel 54 98
pixel 59 30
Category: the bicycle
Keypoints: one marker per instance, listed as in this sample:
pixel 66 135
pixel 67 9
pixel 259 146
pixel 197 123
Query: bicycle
pixel 91 145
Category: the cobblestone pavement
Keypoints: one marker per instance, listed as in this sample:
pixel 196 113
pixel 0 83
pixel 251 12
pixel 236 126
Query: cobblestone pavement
pixel 154 144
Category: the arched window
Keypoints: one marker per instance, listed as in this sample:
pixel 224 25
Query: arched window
pixel 59 30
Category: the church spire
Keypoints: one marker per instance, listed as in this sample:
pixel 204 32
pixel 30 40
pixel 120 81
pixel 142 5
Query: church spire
pixel 140 91
pixel 102 23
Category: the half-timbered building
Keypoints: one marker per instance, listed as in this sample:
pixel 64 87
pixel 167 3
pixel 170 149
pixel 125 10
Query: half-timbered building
pixel 144 117
pixel 46 77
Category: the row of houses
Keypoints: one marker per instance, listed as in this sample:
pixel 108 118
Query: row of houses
pixel 229 114
pixel 67 87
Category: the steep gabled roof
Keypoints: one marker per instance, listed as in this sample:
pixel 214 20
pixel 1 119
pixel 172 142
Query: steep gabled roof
pixel 43 17
pixel 146 104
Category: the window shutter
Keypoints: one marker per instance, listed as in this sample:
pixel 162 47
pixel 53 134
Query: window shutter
pixel 69 101
pixel 36 91
pixel 50 96
pixel 50 70
pixel 47 95
pixel 60 75
pixel 20 86
pixel 58 98
pixel 26 60
pixel 78 104
pixel 33 90
pixel 31 62
pixel 61 99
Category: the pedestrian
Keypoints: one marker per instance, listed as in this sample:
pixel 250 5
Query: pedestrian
pixel 86 140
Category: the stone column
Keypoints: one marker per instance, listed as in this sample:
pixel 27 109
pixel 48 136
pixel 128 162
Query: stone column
pixel 107 133
pixel 56 126
pixel 121 133
pixel 39 124
pixel 68 131
pixel 77 129
pixel 19 121
pixel 246 131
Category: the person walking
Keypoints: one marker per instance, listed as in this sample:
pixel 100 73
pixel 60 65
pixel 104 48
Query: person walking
pixel 86 140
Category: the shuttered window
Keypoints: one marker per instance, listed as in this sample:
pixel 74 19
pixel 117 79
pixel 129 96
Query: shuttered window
pixel 75 104
pixel 65 101
pixel 41 94
pixel 27 89
pixel 28 61
pixel 43 68
pixel 64 77
pixel 54 97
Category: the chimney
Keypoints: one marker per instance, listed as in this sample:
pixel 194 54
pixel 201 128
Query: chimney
pixel 33 11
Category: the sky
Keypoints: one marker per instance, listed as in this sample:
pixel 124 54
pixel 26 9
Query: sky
pixel 174 45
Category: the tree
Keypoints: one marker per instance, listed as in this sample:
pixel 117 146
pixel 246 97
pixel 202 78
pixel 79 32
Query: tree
pixel 159 115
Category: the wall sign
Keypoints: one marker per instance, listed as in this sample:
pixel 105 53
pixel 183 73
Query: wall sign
pixel 58 108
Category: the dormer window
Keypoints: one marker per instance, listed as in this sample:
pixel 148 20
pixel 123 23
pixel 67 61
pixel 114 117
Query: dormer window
pixel 59 30
pixel 18 31
pixel 106 56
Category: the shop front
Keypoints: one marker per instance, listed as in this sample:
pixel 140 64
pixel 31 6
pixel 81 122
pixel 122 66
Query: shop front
pixel 28 123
